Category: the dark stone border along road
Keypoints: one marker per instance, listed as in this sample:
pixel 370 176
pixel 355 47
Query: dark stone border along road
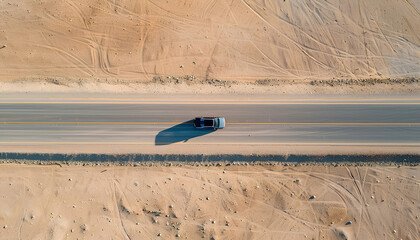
pixel 139 158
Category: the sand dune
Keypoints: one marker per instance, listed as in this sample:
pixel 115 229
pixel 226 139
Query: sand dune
pixel 235 39
pixel 233 202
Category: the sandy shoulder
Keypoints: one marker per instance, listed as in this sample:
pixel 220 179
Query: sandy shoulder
pixel 230 202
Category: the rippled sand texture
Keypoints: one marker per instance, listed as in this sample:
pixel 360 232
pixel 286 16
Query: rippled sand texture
pixel 234 39
pixel 234 202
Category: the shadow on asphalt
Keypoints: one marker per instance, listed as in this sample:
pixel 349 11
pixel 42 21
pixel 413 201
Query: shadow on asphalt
pixel 180 133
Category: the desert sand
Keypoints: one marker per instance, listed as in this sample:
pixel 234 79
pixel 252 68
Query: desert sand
pixel 225 202
pixel 209 46
pixel 227 40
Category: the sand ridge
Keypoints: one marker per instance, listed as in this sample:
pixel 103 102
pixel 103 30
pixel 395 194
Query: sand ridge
pixel 227 40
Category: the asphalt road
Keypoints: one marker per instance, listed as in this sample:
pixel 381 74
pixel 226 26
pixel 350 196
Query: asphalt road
pixel 154 123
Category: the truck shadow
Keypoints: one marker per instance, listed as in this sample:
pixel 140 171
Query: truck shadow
pixel 180 133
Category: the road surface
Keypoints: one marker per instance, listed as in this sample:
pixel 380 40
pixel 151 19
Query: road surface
pixel 163 126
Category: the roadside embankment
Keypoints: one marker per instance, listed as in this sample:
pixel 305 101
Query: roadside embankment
pixel 193 85
pixel 208 160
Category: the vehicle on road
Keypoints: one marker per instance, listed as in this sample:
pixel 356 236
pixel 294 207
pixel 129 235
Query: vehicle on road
pixel 210 122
